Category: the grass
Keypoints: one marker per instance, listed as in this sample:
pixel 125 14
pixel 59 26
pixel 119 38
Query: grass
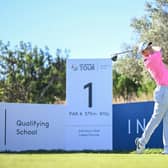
pixel 151 159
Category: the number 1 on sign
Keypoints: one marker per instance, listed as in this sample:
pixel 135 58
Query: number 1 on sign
pixel 89 86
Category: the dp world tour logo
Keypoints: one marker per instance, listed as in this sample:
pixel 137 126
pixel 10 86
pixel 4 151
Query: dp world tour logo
pixel 83 67
pixel 74 67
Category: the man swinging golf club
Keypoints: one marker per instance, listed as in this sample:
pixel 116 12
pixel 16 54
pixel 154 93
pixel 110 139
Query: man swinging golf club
pixel 153 62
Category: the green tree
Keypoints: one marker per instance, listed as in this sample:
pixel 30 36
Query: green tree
pixel 153 26
pixel 30 74
pixel 127 74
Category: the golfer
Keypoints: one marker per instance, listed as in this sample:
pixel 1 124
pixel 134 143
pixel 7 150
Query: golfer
pixel 152 57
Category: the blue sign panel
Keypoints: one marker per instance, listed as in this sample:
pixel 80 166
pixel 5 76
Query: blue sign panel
pixel 129 121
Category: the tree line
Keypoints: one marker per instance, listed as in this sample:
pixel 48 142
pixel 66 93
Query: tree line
pixel 31 74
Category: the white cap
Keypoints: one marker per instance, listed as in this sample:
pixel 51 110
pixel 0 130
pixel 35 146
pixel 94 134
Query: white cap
pixel 143 45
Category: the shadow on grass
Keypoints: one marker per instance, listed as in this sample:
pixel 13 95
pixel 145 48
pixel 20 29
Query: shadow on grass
pixel 66 152
pixel 147 151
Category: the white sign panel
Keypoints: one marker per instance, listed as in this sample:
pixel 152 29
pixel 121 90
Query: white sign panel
pixel 89 104
pixel 32 127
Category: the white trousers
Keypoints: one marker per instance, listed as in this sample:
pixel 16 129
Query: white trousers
pixel 160 113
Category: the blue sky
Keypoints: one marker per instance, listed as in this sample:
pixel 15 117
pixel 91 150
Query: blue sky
pixel 89 28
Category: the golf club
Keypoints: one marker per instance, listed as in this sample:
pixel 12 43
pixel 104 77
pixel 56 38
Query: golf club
pixel 115 55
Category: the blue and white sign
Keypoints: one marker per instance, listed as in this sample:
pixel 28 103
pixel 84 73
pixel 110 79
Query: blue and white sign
pixel 129 122
pixel 83 123
pixel 31 127
pixel 89 98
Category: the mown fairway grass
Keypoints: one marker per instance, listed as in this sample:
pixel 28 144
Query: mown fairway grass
pixel 151 159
